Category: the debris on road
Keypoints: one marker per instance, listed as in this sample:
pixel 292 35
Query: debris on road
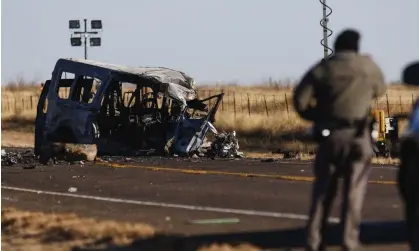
pixel 72 189
pixel 225 145
pixel 25 158
pixel 288 154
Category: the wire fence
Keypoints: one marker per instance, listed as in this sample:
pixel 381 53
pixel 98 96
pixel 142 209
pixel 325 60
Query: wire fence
pixel 271 104
pixel 237 103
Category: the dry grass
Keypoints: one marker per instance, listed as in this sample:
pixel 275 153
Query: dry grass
pixel 271 124
pixel 24 230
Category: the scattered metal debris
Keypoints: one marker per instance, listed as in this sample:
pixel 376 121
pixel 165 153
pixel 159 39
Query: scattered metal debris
pixel 291 154
pixel 25 158
pixel 225 145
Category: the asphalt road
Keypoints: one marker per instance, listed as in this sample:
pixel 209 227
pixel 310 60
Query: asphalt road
pixel 267 201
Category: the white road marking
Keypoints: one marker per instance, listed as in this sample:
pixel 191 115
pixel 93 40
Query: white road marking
pixel 171 205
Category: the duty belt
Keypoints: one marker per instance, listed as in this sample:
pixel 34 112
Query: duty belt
pixel 334 124
pixel 344 123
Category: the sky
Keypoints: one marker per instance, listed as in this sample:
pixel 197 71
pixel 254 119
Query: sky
pixel 243 41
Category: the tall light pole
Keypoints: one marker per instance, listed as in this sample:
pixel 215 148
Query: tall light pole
pixel 76 36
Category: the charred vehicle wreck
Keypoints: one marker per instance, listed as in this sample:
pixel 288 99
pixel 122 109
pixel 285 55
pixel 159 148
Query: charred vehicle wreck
pixel 120 110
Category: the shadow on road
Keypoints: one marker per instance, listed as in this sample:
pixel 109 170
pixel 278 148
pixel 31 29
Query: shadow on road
pixel 379 233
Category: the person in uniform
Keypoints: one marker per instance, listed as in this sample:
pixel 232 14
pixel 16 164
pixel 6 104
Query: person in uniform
pixel 336 95
pixel 408 173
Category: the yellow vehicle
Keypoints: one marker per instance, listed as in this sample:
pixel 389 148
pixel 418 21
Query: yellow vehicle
pixel 385 134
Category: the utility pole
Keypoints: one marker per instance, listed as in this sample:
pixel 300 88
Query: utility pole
pixel 77 41
pixel 85 39
pixel 325 20
pixel 323 23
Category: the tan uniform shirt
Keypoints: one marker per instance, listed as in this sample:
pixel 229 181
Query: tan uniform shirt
pixel 341 87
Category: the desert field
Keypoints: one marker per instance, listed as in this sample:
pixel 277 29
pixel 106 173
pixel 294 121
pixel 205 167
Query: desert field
pixel 261 114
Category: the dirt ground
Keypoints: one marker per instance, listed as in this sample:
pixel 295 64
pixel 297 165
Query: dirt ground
pixel 16 139
pixel 11 138
pixel 33 231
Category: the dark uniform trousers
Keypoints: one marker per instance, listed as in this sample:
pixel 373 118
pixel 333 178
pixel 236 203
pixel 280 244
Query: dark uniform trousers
pixel 408 185
pixel 340 155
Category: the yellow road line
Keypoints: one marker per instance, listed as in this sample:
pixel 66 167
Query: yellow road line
pixel 238 174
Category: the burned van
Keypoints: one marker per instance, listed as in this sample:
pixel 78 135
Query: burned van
pixel 122 110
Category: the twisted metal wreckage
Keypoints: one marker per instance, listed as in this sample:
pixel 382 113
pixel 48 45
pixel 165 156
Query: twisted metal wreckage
pixel 120 110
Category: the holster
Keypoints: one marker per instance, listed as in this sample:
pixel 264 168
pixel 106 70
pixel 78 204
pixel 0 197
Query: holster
pixel 339 124
pixel 317 130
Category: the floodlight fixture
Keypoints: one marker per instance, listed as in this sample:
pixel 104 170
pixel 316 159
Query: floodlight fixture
pixel 75 41
pixel 81 36
pixel 95 41
pixel 74 24
pixel 96 24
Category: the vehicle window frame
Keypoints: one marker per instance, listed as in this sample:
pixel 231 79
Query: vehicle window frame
pixel 77 73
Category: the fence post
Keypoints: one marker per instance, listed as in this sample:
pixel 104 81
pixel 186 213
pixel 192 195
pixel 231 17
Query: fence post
pixel 209 92
pixel 388 106
pixel 401 106
pixel 266 105
pixel 256 102
pixel 222 101
pixel 228 101
pixel 273 96
pixel 248 103
pixel 286 103
pixel 241 102
pixel 234 103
